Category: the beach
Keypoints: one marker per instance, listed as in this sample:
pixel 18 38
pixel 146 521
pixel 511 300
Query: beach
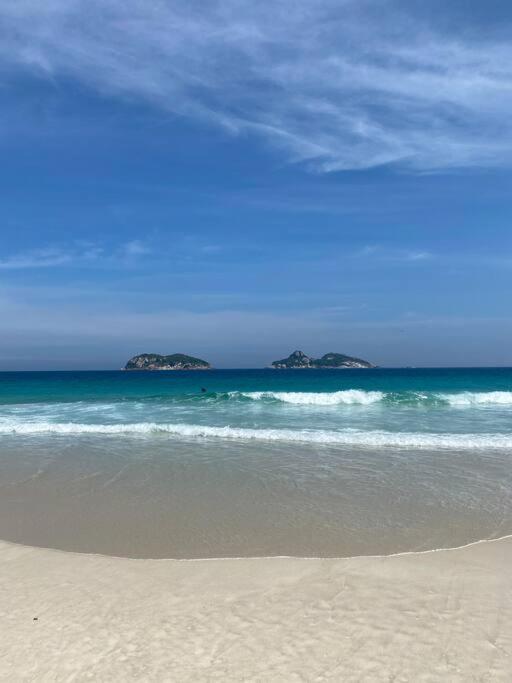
pixel 314 463
pixel 294 526
pixel 435 616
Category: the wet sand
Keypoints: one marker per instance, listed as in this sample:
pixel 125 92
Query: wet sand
pixel 161 499
pixel 436 616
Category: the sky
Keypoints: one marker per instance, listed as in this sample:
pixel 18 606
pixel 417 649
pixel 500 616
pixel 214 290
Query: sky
pixel 237 180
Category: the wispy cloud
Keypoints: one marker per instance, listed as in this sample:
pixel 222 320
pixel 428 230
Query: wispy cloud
pixel 135 248
pixel 381 253
pixel 335 85
pixel 418 255
pixel 75 254
pixel 37 258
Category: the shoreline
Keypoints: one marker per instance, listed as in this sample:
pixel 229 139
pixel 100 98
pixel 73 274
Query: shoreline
pixel 434 615
pixel 311 558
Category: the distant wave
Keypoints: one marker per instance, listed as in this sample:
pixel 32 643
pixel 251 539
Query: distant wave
pixel 485 398
pixel 347 437
pixel 365 398
pixel 348 397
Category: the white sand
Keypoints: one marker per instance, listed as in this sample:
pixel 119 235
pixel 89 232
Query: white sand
pixel 440 616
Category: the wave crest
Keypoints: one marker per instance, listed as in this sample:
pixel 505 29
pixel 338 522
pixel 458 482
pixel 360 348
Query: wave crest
pixel 365 398
pixel 346 397
pixel 486 398
pixel 349 437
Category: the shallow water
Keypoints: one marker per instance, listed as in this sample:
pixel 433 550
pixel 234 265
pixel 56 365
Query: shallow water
pixel 309 463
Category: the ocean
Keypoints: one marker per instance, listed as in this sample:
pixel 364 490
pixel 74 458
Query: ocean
pixel 229 463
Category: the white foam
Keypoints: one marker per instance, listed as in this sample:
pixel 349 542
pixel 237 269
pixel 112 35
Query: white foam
pixel 468 398
pixel 348 437
pixel 348 397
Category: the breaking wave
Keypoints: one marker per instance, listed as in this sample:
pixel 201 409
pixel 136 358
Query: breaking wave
pixel 348 437
pixel 347 397
pixel 365 398
pixel 468 398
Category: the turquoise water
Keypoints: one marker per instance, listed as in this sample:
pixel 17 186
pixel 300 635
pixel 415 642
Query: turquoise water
pixel 263 462
pixel 445 408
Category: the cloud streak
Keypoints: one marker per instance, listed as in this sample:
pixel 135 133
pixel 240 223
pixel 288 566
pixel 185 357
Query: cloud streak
pixel 332 85
pixel 37 258
pixel 80 253
pixel 381 254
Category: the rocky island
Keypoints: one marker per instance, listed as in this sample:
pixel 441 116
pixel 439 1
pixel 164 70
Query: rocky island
pixel 329 361
pixel 176 361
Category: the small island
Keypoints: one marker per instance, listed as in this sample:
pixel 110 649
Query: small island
pixel 176 361
pixel 330 361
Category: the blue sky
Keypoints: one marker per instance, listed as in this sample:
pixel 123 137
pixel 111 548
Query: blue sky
pixel 236 180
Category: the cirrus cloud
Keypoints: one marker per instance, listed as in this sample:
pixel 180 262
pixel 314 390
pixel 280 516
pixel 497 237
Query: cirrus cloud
pixel 333 85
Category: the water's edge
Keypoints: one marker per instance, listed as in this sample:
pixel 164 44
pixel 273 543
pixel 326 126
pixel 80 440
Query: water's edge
pixel 257 557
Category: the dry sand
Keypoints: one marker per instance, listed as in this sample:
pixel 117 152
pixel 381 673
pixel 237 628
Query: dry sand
pixel 438 616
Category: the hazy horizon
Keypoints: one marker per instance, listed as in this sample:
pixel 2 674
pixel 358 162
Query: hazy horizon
pixel 77 367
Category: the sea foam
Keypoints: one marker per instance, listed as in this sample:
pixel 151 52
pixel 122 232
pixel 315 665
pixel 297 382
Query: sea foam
pixel 347 397
pixel 484 398
pixel 366 398
pixel 348 437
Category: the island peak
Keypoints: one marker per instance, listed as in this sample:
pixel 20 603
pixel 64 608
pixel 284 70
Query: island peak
pixel 175 361
pixel 331 360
